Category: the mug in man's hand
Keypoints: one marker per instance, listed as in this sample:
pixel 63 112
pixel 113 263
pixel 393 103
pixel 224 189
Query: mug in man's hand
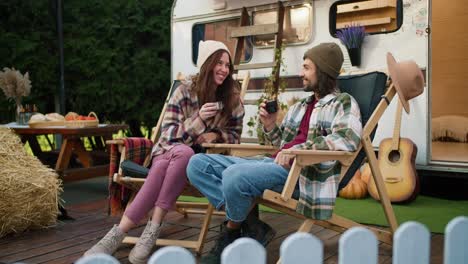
pixel 271 106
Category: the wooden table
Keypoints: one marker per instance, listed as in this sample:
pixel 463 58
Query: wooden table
pixel 72 143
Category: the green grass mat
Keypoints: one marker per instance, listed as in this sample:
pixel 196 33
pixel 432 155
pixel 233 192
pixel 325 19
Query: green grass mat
pixel 433 212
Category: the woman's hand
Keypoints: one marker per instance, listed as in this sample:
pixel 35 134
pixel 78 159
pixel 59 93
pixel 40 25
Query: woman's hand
pixel 208 111
pixel 208 137
pixel 268 120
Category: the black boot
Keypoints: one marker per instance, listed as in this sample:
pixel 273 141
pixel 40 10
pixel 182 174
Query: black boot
pixel 256 229
pixel 226 237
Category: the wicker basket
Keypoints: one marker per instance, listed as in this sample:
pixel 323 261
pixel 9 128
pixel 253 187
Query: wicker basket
pixel 83 123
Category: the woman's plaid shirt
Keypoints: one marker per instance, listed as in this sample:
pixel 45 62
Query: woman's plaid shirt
pixel 182 124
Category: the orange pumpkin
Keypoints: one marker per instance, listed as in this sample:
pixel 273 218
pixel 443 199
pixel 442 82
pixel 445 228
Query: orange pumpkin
pixel 356 188
pixel 366 173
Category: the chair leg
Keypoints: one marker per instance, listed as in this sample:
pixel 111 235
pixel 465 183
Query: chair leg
pixel 182 211
pixel 341 224
pixel 377 174
pixel 306 226
pixel 186 208
pixel 204 229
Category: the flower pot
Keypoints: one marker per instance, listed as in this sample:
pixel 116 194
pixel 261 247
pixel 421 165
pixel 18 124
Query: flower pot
pixel 355 56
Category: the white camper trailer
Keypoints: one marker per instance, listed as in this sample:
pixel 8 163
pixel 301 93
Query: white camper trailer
pixel 427 31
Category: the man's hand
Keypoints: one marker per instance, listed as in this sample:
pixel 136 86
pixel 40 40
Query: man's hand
pixel 209 137
pixel 284 160
pixel 268 120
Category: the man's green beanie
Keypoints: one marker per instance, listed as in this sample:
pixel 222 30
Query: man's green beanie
pixel 327 57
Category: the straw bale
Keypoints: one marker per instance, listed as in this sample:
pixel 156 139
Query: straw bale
pixel 29 190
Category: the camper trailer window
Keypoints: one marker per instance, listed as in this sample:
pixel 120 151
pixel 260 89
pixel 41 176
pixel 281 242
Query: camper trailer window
pixel 297 25
pixel 220 31
pixel 377 16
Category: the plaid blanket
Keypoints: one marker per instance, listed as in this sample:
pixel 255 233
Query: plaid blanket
pixel 136 150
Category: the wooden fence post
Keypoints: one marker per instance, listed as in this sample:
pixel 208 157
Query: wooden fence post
pixel 97 258
pixel 357 245
pixel 299 247
pixel 411 244
pixel 456 241
pixel 244 250
pixel 171 255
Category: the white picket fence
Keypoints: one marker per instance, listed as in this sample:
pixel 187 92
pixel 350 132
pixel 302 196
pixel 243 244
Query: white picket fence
pixel 411 245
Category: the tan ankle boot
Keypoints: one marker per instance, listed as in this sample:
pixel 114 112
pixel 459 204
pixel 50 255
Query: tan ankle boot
pixel 109 243
pixel 144 246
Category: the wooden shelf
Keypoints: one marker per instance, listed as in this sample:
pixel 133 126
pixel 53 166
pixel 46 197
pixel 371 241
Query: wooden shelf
pixel 374 15
pixel 365 5
pixel 366 22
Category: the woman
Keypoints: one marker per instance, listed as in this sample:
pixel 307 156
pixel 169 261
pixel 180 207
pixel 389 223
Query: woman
pixel 205 108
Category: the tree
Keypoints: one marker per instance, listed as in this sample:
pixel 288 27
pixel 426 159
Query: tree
pixel 117 56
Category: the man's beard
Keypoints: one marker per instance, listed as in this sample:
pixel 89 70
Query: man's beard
pixel 310 88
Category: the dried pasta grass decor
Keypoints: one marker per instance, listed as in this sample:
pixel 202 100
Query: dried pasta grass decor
pixel 28 189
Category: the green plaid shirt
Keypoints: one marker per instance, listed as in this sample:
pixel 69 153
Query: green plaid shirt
pixel 335 124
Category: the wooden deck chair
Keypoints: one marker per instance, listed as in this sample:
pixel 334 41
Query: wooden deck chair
pixel 368 90
pixel 184 208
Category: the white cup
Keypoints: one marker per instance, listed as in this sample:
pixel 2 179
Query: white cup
pixel 219 105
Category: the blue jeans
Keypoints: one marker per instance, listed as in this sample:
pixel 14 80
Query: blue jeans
pixel 235 182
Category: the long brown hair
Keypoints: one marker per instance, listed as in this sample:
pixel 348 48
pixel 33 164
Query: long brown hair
pixel 228 92
pixel 325 84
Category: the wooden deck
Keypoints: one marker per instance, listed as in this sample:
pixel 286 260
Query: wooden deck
pixel 66 242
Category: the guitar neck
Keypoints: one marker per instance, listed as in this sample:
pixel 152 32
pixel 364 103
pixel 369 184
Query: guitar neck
pixel 397 127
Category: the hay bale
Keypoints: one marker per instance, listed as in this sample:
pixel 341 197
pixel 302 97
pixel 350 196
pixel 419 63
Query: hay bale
pixel 28 189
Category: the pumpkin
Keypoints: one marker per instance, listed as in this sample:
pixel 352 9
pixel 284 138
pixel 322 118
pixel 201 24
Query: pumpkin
pixel 356 188
pixel 366 173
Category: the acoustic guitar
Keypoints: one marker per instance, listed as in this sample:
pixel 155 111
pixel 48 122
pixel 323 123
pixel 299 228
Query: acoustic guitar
pixel 396 160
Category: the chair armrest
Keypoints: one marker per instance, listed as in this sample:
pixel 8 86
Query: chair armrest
pixel 309 157
pixel 120 144
pixel 239 146
pixel 239 150
pixel 304 158
pixel 115 142
pixel 284 199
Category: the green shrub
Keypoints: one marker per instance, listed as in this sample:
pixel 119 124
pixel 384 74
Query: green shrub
pixel 116 54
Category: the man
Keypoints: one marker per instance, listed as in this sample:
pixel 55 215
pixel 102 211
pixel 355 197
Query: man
pixel 326 120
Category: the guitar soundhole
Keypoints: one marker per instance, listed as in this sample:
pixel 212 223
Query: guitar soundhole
pixel 394 156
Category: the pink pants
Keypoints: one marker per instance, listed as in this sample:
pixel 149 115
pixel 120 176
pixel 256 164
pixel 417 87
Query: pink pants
pixel 165 182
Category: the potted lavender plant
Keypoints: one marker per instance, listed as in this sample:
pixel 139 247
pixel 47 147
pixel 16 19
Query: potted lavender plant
pixel 352 36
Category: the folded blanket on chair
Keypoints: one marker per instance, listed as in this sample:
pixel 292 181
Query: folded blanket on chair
pixel 136 150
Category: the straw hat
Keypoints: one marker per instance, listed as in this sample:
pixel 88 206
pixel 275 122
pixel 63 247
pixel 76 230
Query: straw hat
pixel 407 78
